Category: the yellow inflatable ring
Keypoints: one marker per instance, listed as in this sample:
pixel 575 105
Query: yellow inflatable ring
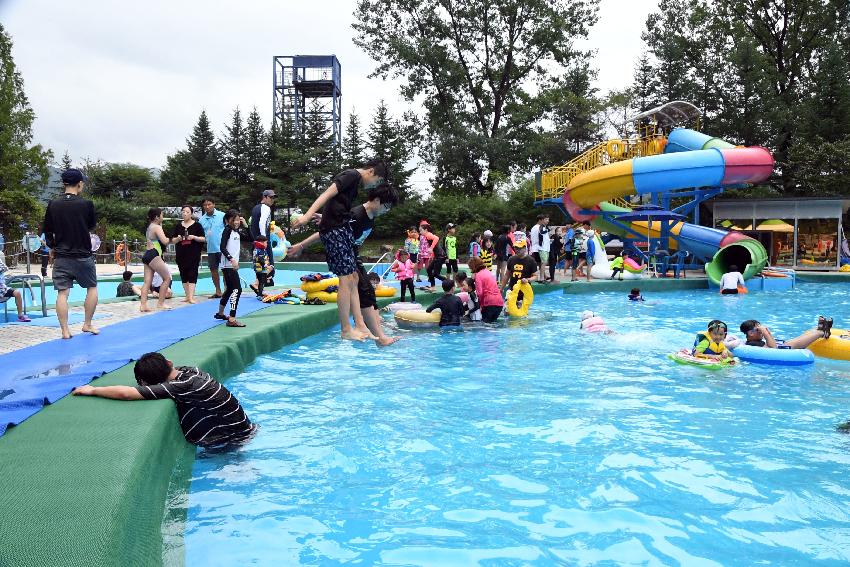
pixel 615 148
pixel 836 347
pixel 384 291
pixel 527 299
pixel 417 318
pixel 320 285
pixel 323 295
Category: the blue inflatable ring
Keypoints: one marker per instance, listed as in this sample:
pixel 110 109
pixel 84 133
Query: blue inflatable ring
pixel 776 356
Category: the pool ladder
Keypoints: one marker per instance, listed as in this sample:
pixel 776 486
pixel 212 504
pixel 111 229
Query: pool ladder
pixel 25 280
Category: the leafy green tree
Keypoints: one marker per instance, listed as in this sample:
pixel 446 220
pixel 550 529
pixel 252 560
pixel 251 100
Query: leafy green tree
pixel 826 113
pixel 353 146
pixel 23 167
pixel 821 167
pixel 122 181
pixel 789 34
pixel 482 69
pixel 575 115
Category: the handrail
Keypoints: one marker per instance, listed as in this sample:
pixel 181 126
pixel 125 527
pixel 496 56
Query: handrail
pixel 555 180
pixel 25 279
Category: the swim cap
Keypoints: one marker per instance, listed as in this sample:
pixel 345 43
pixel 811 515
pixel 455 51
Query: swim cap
pixel 586 315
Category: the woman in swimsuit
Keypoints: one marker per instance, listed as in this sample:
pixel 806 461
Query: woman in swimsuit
pixel 155 239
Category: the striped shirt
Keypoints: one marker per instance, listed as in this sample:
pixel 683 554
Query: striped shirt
pixel 209 414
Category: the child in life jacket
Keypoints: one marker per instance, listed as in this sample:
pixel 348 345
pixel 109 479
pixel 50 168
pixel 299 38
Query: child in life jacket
pixel 593 323
pixel 403 268
pixel 709 344
pixel 262 263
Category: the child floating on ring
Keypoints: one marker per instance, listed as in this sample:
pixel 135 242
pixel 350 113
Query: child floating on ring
pixel 709 344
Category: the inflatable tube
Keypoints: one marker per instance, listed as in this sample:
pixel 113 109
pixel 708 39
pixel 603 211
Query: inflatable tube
pixel 527 299
pixel 279 244
pixel 119 254
pixel 776 356
pixel 320 285
pixel 594 324
pixel 404 306
pixel 384 291
pixel 615 148
pixel 417 318
pixel 772 274
pixel 836 347
pixel 684 356
pixel 633 267
pixel 323 295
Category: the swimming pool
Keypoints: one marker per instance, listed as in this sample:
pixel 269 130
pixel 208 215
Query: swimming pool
pixel 106 289
pixel 535 444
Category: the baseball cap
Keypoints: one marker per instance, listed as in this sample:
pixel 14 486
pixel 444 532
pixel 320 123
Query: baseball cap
pixel 520 243
pixel 488 232
pixel 72 176
pixel 269 193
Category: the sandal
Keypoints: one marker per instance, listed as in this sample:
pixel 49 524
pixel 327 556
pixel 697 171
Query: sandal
pixel 314 301
pixel 234 324
pixel 825 325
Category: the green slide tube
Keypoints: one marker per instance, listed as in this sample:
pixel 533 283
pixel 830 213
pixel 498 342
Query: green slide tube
pixel 749 255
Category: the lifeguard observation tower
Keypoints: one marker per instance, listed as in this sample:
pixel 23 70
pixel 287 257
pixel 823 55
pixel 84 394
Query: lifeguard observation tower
pixel 301 79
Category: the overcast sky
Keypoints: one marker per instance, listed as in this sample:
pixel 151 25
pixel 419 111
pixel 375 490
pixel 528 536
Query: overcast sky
pixel 125 81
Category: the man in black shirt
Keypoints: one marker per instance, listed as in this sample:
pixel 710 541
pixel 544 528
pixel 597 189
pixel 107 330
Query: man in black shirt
pixel 521 267
pixel 450 306
pixel 67 225
pixel 261 220
pixel 209 414
pixel 379 201
pixel 503 249
pixel 336 235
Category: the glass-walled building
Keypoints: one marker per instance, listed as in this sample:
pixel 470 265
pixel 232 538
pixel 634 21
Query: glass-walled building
pixel 796 233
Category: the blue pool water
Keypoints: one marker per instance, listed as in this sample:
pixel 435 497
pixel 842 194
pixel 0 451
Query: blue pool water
pixel 534 444
pixel 107 289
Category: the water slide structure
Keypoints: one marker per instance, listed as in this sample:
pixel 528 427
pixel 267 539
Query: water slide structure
pixel 683 165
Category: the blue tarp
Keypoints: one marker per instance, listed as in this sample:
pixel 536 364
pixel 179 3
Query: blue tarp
pixel 38 375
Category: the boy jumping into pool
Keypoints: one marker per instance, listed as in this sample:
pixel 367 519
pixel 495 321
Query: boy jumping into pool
pixel 336 235
pixel 760 336
pixel 209 414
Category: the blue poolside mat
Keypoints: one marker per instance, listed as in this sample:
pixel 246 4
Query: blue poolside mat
pixel 41 374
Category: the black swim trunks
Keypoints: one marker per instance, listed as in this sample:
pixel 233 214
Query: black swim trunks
pixel 149 255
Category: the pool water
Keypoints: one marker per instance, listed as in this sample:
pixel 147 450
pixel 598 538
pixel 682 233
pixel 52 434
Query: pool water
pixel 535 444
pixel 108 289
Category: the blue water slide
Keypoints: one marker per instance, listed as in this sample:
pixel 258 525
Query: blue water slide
pixel 701 241
pixel 666 172
pixel 684 140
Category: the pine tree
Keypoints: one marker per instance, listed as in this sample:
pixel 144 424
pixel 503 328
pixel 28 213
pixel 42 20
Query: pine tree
pixel 394 141
pixel 234 147
pixel 644 88
pixel 196 171
pixel 352 143
pixel 23 167
pixel 287 168
pixel 66 162
pixel 256 149
pixel 322 158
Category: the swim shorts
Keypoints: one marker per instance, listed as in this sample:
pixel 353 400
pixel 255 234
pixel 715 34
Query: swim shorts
pixel 213 260
pixel 365 290
pixel 339 250
pixel 66 270
pixel 149 255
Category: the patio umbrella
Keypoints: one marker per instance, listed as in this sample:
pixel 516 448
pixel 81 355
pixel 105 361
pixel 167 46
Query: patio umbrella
pixel 649 213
